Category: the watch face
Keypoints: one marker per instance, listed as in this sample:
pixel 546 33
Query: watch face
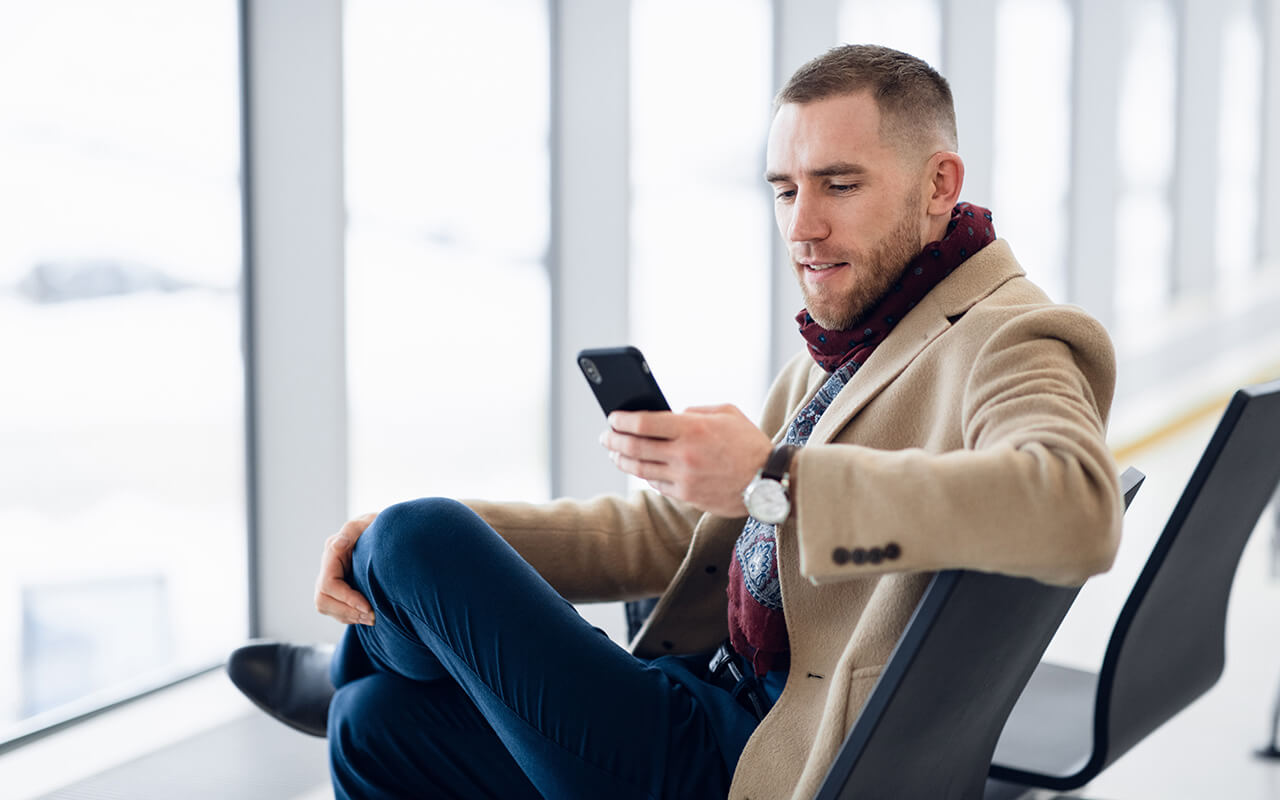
pixel 768 501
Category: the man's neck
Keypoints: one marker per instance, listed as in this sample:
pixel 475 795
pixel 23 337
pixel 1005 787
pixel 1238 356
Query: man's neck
pixel 935 229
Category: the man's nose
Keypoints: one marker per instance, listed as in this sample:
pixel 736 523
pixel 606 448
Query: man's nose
pixel 808 222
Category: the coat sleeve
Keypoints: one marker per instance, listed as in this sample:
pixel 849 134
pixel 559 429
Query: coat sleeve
pixel 606 548
pixel 611 548
pixel 1033 491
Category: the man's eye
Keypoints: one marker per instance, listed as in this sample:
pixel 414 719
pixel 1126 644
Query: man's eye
pixel 843 187
pixel 784 194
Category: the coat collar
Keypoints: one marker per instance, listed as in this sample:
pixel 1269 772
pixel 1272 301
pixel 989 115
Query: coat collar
pixel 976 278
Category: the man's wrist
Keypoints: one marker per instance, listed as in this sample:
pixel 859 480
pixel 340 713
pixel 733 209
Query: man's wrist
pixel 768 498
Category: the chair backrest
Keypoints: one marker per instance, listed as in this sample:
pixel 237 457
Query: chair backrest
pixel 931 723
pixel 1167 647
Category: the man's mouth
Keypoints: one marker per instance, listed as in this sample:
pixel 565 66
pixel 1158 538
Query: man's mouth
pixel 828 265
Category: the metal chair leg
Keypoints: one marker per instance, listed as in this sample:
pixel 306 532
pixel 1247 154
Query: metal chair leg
pixel 1272 750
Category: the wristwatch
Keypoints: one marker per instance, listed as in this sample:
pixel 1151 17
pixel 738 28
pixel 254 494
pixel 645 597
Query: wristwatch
pixel 766 496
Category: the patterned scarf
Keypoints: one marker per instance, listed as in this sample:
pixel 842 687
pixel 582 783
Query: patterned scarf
pixel 757 625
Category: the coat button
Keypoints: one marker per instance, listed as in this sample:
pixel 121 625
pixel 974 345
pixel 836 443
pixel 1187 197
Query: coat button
pixel 859 555
pixel 710 569
pixel 840 555
pixel 892 551
pixel 875 555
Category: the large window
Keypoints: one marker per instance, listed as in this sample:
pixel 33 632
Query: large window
pixel 122 511
pixel 912 26
pixel 701 226
pixel 448 325
pixel 1147 121
pixel 1033 136
pixel 1239 148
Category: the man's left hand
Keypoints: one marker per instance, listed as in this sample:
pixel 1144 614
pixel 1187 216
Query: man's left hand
pixel 705 456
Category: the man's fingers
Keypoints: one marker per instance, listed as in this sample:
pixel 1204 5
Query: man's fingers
pixel 334 596
pixel 335 559
pixel 722 408
pixel 637 447
pixel 645 470
pixel 342 592
pixel 344 612
pixel 663 487
pixel 653 424
pixel 351 530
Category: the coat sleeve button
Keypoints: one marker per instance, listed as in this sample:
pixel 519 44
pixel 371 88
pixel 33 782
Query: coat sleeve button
pixel 840 555
pixel 892 550
pixel 859 555
pixel 875 555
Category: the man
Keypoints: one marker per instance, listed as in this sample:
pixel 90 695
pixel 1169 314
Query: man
pixel 944 415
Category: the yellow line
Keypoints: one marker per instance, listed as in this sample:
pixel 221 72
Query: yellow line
pixel 1124 453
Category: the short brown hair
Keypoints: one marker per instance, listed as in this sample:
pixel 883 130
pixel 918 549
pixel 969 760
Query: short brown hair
pixel 914 100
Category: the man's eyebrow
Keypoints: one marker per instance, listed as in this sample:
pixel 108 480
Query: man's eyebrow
pixel 828 171
pixel 839 168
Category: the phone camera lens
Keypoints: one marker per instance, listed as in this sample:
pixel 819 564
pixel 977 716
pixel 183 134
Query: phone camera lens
pixel 589 369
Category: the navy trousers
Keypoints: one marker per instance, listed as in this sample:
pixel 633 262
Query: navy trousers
pixel 479 680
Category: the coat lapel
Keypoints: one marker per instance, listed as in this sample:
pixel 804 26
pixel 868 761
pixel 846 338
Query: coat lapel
pixel 973 280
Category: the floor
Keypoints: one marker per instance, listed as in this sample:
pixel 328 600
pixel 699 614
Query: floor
pixel 202 740
pixel 199 740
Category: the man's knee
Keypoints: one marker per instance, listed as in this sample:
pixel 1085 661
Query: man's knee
pixel 413 518
pixel 418 534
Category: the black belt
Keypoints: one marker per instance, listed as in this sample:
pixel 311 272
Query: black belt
pixel 724 671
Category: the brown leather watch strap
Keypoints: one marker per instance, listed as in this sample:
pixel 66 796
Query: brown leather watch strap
pixel 779 462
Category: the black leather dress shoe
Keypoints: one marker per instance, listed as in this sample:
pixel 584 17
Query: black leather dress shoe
pixel 289 682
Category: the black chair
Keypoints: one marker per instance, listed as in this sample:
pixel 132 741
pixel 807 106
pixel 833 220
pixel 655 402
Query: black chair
pixel 932 720
pixel 1167 647
pixel 1272 748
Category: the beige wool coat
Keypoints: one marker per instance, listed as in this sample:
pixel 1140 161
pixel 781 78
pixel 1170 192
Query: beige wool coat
pixel 973 437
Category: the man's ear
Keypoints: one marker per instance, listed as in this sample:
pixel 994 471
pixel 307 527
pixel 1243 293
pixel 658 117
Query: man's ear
pixel 946 177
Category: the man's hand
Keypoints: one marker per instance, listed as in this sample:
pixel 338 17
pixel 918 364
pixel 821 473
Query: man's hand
pixel 705 456
pixel 334 596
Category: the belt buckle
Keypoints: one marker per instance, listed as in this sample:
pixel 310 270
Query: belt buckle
pixel 723 661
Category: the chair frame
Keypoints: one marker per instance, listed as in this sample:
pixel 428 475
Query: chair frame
pixel 969 648
pixel 1168 644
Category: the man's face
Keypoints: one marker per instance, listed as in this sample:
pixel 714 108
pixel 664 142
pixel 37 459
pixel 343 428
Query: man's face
pixel 851 208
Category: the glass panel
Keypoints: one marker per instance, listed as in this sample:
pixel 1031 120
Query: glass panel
pixel 1033 135
pixel 122 508
pixel 701 222
pixel 448 323
pixel 912 26
pixel 1239 148
pixel 1148 120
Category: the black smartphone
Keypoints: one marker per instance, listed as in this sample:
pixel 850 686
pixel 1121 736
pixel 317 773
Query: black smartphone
pixel 621 380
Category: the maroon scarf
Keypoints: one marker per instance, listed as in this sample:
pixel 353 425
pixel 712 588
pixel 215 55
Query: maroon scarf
pixel 969 231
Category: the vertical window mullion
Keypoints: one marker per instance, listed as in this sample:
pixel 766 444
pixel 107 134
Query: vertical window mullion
pixel 590 225
pixel 1269 183
pixel 1195 181
pixel 297 252
pixel 1091 246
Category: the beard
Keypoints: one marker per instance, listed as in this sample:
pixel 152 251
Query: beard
pixel 875 270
